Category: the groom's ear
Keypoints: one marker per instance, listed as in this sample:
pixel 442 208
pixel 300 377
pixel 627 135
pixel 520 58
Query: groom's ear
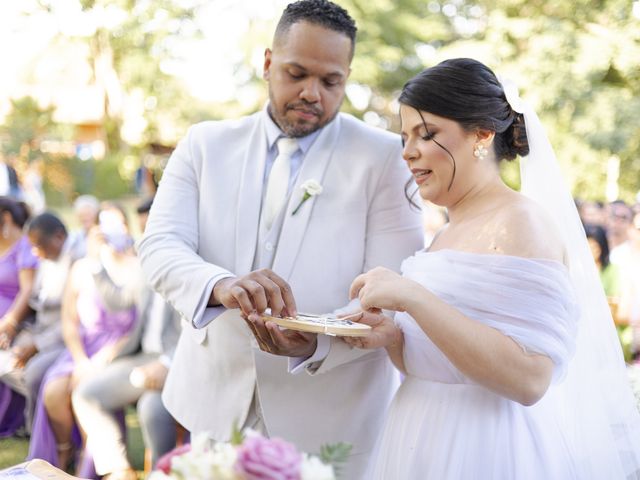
pixel 267 64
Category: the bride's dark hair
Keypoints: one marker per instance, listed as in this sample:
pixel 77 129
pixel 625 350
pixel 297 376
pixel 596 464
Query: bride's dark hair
pixel 468 92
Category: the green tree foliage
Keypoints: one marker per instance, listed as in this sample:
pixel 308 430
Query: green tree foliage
pixel 127 52
pixel 576 61
pixel 26 125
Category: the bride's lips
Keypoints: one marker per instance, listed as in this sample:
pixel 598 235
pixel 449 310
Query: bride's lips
pixel 421 175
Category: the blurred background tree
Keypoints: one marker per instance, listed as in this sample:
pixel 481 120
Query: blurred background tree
pixel 25 127
pixel 576 61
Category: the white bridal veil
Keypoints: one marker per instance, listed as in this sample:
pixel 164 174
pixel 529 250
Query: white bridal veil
pixel 599 408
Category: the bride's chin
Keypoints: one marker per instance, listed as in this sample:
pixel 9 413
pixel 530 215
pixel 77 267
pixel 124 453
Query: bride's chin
pixel 426 193
pixel 434 197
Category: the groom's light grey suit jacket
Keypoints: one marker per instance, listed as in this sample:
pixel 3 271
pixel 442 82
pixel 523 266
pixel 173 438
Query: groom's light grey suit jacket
pixel 204 224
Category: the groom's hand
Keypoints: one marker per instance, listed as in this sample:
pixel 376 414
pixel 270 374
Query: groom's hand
pixel 287 343
pixel 254 293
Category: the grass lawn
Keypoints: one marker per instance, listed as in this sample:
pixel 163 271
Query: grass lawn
pixel 14 451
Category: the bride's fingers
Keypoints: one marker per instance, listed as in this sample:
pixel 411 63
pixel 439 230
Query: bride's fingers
pixel 356 286
pixel 354 341
pixel 354 317
pixel 349 341
pixel 365 297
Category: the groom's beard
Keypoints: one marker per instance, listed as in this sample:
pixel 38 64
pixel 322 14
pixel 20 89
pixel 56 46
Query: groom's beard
pixel 291 124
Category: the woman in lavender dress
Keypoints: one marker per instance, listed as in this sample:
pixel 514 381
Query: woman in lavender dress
pixel 93 337
pixel 17 270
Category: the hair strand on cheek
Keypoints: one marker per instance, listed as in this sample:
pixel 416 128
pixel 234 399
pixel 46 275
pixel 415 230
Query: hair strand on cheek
pixel 453 160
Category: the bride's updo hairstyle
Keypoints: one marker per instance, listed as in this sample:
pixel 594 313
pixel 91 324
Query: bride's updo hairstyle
pixel 468 92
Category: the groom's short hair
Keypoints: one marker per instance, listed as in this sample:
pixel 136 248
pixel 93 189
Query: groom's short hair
pixel 318 12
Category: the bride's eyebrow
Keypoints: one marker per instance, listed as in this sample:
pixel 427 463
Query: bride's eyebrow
pixel 420 125
pixel 429 127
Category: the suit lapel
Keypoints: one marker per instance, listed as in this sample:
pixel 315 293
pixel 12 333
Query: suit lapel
pixel 313 167
pixel 250 197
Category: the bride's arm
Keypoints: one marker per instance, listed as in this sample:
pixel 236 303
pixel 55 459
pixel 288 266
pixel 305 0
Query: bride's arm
pixel 481 353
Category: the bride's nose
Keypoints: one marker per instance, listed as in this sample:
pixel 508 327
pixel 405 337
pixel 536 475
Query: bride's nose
pixel 409 151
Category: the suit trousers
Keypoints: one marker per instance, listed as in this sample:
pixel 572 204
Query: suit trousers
pixel 96 401
pixel 34 372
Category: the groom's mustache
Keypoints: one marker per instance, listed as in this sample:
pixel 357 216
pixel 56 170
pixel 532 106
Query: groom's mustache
pixel 306 107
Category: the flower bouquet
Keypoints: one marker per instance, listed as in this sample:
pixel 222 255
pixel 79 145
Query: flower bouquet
pixel 249 456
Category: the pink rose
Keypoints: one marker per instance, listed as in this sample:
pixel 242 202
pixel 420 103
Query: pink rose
pixel 261 458
pixel 164 462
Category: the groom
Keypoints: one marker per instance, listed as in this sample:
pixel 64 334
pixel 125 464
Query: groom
pixel 220 245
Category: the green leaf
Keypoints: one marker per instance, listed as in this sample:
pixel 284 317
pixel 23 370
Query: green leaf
pixel 237 437
pixel 335 454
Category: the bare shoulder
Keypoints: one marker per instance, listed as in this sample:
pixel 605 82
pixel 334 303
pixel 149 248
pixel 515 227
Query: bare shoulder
pixel 529 231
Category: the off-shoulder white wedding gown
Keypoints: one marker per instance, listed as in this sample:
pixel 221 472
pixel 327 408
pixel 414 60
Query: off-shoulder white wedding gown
pixel 441 425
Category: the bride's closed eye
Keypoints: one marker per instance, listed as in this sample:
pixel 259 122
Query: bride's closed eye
pixel 428 136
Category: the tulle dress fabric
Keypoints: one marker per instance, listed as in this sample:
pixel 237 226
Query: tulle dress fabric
pixel 441 425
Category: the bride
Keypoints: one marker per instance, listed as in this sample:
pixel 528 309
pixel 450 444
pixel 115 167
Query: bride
pixel 512 365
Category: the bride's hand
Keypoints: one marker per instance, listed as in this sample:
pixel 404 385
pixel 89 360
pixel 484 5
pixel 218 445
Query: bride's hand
pixel 380 288
pixel 384 331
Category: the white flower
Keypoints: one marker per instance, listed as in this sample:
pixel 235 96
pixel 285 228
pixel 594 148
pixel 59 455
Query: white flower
pixel 313 469
pixel 311 188
pixel 159 475
pixel 215 464
pixel 511 92
pixel 204 461
pixel 200 443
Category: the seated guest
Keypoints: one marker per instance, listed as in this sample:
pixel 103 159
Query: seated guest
pixel 17 271
pixel 611 278
pixel 629 308
pixel 592 213
pixel 129 379
pixel 57 252
pixel 609 273
pixel 86 209
pixel 93 336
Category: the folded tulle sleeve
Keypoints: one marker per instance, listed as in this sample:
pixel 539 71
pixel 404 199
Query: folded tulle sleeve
pixel 529 300
pixel 543 318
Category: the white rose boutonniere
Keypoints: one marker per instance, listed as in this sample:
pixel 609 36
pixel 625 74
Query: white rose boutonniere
pixel 311 189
